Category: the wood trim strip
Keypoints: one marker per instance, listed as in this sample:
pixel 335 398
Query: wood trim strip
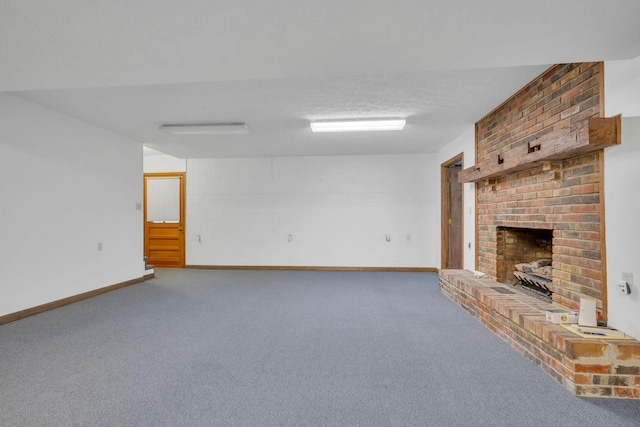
pixel 476 192
pixel 603 242
pixel 603 226
pixel 476 240
pixel 601 89
pixel 314 268
pixel 11 317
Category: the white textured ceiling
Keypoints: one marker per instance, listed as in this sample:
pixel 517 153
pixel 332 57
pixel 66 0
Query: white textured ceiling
pixel 131 66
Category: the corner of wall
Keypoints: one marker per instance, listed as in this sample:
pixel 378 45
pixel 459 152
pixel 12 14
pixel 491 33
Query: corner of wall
pixel 622 86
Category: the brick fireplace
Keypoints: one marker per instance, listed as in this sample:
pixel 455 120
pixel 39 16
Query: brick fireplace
pixel 539 196
pixel 539 167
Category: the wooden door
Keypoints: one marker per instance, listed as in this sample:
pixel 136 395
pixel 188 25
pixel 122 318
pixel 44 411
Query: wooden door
pixel 164 217
pixel 452 245
pixel 455 217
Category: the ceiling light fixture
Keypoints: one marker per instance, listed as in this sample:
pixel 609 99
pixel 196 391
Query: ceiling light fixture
pixel 207 129
pixel 358 125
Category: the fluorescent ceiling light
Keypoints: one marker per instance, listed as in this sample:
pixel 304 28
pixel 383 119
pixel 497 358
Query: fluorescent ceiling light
pixel 207 129
pixel 358 125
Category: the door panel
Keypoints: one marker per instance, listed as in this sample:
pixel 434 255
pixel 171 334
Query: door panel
pixel 455 217
pixel 164 210
pixel 451 204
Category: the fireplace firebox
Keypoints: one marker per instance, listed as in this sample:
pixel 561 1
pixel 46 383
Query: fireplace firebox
pixel 524 258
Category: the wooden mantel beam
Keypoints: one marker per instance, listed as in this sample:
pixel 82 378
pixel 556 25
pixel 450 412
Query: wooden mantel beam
pixel 584 137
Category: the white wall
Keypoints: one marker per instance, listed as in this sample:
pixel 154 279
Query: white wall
pixel 65 186
pixel 337 209
pixel 622 88
pixel 158 162
pixel 622 201
pixel 465 144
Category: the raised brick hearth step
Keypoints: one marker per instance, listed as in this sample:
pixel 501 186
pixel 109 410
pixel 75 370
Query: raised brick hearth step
pixel 585 366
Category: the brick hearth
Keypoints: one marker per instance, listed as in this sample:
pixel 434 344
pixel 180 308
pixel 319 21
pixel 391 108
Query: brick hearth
pixel 585 366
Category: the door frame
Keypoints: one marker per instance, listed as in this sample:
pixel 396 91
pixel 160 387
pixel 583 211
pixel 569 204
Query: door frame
pixel 183 219
pixel 445 209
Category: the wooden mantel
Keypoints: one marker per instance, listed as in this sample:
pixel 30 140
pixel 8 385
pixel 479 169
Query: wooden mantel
pixel 583 137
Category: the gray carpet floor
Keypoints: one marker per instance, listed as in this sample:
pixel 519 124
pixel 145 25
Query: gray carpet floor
pixel 278 348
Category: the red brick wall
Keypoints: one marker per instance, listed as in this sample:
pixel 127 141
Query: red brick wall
pixel 563 196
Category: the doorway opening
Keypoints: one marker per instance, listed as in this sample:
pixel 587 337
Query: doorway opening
pixel 451 213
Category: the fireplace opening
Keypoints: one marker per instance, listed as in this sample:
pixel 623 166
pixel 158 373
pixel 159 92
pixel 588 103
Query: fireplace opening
pixel 524 259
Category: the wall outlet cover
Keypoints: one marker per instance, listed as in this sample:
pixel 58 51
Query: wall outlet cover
pixel 623 287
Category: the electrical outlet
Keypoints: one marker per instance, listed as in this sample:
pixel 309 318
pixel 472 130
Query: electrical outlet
pixel 388 237
pixel 408 237
pixel 623 288
pixel 290 237
pixel 99 246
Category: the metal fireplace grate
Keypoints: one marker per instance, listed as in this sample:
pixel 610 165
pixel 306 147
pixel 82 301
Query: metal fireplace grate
pixel 536 284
